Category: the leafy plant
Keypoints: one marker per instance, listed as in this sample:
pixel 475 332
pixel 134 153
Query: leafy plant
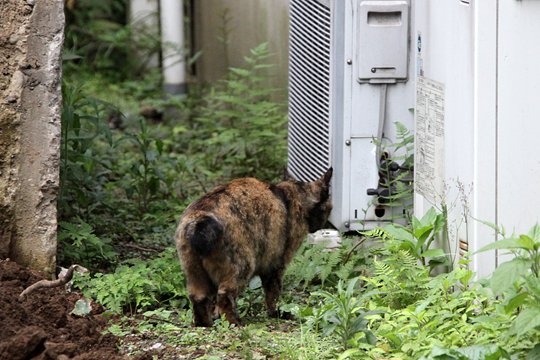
pixel 343 315
pixel 145 174
pixel 396 168
pixel 241 130
pixel 99 37
pixel 82 246
pixel 418 238
pixel 475 352
pixel 82 171
pixel 521 276
pixel 452 313
pixel 138 285
pixel 525 249
pixel 316 266
pixel 83 177
pixel 410 315
pixel 397 280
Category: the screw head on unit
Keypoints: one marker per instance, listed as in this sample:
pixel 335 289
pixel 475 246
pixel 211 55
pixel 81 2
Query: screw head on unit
pixel 349 61
pixel 348 142
pixel 346 224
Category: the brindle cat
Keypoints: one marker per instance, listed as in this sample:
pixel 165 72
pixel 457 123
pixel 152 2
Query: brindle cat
pixel 246 228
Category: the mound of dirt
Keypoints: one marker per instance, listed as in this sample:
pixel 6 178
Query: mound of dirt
pixel 41 326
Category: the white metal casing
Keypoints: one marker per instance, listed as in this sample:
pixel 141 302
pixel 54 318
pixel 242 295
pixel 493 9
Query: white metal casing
pixel 481 57
pixel 333 117
pixel 383 29
pixel 485 55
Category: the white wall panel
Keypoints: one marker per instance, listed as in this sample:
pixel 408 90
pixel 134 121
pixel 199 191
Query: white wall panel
pixel 445 53
pixel 518 140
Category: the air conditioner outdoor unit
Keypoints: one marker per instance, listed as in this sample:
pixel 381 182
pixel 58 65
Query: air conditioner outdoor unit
pixel 349 81
pixel 469 71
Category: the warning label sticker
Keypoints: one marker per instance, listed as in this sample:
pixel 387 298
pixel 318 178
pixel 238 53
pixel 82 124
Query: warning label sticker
pixel 429 137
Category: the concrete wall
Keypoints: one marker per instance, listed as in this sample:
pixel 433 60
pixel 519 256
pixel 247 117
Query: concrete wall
pixel 31 36
pixel 249 23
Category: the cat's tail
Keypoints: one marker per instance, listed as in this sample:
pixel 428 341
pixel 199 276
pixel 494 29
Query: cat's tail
pixel 204 234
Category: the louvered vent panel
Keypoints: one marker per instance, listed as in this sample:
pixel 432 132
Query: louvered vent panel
pixel 309 89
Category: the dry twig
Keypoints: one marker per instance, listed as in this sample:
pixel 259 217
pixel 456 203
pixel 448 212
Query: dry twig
pixel 51 283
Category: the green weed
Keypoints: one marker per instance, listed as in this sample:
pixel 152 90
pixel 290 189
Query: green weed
pixel 240 130
pixel 397 280
pixel 403 312
pixel 419 236
pixel 83 171
pixel 99 38
pixel 344 315
pixel 396 168
pixel 520 278
pixel 314 267
pixel 81 246
pixel 138 285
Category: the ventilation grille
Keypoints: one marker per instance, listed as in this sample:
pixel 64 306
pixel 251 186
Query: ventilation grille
pixel 309 89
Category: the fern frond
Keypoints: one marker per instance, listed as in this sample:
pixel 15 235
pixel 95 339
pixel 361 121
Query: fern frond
pixel 345 271
pixel 382 269
pixel 377 233
pixel 406 259
pixel 332 260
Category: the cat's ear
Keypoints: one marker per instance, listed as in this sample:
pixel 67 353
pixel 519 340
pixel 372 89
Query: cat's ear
pixel 321 188
pixel 327 177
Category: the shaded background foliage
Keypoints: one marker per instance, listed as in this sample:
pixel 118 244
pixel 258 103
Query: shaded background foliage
pixel 100 38
pixel 132 156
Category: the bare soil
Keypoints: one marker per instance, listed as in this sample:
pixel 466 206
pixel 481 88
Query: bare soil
pixel 41 326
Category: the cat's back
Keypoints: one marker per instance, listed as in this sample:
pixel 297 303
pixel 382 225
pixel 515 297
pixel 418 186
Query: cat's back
pixel 243 192
pixel 244 200
pixel 247 210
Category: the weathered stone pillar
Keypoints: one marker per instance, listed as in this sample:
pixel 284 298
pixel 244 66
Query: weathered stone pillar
pixel 31 38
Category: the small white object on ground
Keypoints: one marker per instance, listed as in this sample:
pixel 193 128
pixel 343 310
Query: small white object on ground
pixel 330 237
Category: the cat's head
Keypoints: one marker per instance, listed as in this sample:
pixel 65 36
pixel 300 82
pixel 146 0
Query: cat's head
pixel 317 201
